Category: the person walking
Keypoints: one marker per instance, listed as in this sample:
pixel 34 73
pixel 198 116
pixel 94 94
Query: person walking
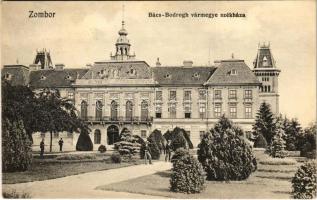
pixel 61 142
pixel 147 153
pixel 42 148
pixel 168 149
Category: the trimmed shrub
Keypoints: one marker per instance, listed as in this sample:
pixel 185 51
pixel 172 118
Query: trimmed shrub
pixel 260 142
pixel 129 144
pixel 179 138
pixel 187 173
pixel 84 143
pixel 16 147
pixel 224 155
pixel 116 158
pixel 304 181
pixel 76 157
pixel 277 147
pixel 157 137
pixel 102 148
pixel 154 150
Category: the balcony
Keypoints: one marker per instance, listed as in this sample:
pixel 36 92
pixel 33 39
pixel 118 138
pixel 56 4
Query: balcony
pixel 119 120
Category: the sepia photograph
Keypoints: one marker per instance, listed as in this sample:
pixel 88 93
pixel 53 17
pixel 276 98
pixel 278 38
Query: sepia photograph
pixel 158 99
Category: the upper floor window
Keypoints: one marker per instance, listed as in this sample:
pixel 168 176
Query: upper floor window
pixel 187 109
pixel 158 111
pixel 7 76
pixel 232 94
pixel 217 94
pixel 233 111
pixel 172 110
pixel 233 72
pixel 202 110
pixel 158 95
pixel 172 95
pixel 248 94
pixel 187 95
pixel 202 94
pixel 71 95
pixel 248 111
pixel 217 110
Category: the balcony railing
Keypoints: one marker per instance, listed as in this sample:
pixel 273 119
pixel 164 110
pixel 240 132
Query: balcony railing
pixel 119 119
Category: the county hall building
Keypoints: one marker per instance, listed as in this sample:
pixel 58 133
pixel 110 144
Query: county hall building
pixel 124 92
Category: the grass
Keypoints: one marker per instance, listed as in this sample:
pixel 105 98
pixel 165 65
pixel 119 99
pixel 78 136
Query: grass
pixel 52 168
pixel 278 161
pixel 77 157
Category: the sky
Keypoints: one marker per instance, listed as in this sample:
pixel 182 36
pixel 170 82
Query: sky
pixel 85 32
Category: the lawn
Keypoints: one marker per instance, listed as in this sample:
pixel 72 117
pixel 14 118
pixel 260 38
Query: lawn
pixel 271 180
pixel 43 169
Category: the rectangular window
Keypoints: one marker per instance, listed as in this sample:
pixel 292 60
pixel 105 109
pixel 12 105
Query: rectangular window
pixel 71 95
pixel 172 95
pixel 217 94
pixel 56 135
pixel 143 133
pixel 42 135
pixel 172 110
pixel 201 134
pixel 69 134
pixel 217 110
pixel 248 112
pixel 187 115
pixel 248 94
pixel 187 109
pixel 202 94
pixel 233 112
pixel 202 110
pixel 158 96
pixel 158 115
pixel 187 95
pixel 158 111
pixel 232 94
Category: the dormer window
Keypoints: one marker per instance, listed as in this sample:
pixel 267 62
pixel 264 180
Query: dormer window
pixel 265 62
pixel 196 75
pixel 68 77
pixel 8 76
pixel 43 77
pixel 233 72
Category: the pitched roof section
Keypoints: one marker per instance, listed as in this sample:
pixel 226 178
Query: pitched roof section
pixel 18 74
pixel 182 75
pixel 55 78
pixel 119 70
pixel 264 58
pixel 232 72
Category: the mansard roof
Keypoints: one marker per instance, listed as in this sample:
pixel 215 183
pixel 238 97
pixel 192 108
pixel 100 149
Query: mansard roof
pixel 119 70
pixel 19 74
pixel 232 72
pixel 55 78
pixel 182 75
pixel 264 58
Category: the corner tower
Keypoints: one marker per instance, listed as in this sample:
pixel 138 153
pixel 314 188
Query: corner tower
pixel 267 73
pixel 122 46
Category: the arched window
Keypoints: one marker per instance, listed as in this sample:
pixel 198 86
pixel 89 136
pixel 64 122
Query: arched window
pixel 83 110
pixel 129 111
pixel 98 110
pixel 269 88
pixel 144 110
pixel 114 111
pixel 265 88
pixel 97 136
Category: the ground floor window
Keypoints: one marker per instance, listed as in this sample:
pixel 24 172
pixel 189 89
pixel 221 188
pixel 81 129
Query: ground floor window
pixel 233 112
pixel 158 115
pixel 217 111
pixel 248 112
pixel 201 134
pixel 172 110
pixel 69 134
pixel 187 115
pixel 97 136
pixel 56 134
pixel 42 135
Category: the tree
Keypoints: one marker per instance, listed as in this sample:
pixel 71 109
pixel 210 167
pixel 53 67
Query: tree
pixel 292 130
pixel 84 142
pixel 224 154
pixel 179 138
pixel 277 146
pixel 307 141
pixel 16 147
pixel 157 137
pixel 58 114
pixel 264 123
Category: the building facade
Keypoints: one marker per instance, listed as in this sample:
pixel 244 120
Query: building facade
pixel 124 92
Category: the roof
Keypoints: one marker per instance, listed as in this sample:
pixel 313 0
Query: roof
pixel 119 70
pixel 223 74
pixel 55 78
pixel 182 75
pixel 264 58
pixel 19 74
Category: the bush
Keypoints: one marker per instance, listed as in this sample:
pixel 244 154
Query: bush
pixel 187 173
pixel 179 138
pixel 157 137
pixel 277 147
pixel 84 143
pixel 260 142
pixel 224 155
pixel 16 147
pixel 76 157
pixel 304 181
pixel 154 150
pixel 15 195
pixel 102 148
pixel 116 158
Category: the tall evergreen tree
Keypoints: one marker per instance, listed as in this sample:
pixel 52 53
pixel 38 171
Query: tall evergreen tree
pixel 264 123
pixel 293 131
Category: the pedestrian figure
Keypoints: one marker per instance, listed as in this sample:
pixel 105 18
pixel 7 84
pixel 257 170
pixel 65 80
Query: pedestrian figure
pixel 147 153
pixel 168 149
pixel 42 149
pixel 61 142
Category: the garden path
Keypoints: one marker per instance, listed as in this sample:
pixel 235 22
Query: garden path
pixel 83 185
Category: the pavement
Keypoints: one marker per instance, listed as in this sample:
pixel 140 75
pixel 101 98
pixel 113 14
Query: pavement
pixel 84 185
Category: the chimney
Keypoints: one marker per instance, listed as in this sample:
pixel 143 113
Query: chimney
pixel 59 66
pixel 158 64
pixel 188 63
pixel 217 63
pixel 88 65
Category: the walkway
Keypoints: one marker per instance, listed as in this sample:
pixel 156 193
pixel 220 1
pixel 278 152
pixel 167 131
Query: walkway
pixel 83 185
